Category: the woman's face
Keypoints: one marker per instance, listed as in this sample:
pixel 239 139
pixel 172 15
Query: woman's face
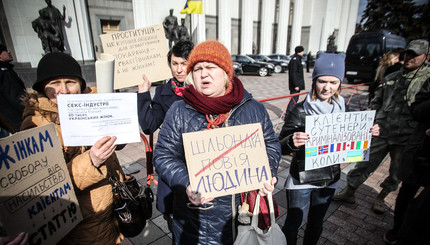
pixel 178 65
pixel 62 85
pixel 209 79
pixel 395 59
pixel 326 87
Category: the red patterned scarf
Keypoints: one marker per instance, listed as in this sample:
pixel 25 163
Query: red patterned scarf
pixel 178 88
pixel 216 109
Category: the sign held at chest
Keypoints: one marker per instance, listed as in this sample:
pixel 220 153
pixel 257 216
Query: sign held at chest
pixel 227 161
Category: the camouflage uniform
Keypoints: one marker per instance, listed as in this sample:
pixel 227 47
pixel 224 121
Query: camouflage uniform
pixel 391 102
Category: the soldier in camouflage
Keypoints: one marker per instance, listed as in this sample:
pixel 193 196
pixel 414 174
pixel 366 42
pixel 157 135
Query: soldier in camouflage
pixel 391 102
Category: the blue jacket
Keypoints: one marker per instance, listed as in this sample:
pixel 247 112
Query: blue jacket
pixel 152 112
pixel 151 115
pixel 213 225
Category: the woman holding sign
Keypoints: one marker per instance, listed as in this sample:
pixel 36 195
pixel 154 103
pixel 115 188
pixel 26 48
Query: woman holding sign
pixel 315 187
pixel 89 167
pixel 213 98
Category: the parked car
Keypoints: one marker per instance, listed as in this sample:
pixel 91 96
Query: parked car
pixel 253 67
pixel 237 67
pixel 282 57
pixel 280 66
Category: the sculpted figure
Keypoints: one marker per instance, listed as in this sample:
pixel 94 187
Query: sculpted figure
pixel 170 25
pixel 48 27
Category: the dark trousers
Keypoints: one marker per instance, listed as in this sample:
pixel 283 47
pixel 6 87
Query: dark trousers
pixel 378 152
pixel 406 194
pixel 318 201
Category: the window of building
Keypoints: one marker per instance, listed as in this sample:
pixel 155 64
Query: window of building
pixel 109 26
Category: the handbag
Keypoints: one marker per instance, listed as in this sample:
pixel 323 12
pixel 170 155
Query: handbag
pixel 321 176
pixel 252 235
pixel 132 205
pixel 263 216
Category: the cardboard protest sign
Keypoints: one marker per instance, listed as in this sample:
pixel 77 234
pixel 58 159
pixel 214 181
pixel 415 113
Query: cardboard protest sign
pixel 36 193
pixel 226 161
pixel 98 115
pixel 137 52
pixel 338 138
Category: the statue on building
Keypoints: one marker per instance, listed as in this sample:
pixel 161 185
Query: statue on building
pixel 183 32
pixel 48 27
pixel 170 25
pixel 331 46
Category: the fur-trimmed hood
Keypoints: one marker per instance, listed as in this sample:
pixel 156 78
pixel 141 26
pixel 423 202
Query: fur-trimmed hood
pixel 36 102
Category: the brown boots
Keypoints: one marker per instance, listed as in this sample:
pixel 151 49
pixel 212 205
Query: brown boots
pixel 379 204
pixel 348 195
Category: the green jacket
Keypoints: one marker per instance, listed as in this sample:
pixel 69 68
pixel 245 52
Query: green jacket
pixel 392 103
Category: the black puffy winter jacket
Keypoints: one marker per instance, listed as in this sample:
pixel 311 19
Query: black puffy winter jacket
pixel 212 225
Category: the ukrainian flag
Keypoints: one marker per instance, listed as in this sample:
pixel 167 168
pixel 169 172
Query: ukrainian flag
pixel 193 7
pixel 354 156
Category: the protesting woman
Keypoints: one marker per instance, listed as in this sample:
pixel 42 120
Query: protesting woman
pixel 389 59
pixel 89 167
pixel 312 187
pixel 213 98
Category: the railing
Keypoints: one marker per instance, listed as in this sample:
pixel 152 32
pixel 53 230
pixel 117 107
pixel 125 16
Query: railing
pixel 291 96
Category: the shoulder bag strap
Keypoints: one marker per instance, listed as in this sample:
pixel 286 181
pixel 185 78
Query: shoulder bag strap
pixel 271 209
pixel 254 221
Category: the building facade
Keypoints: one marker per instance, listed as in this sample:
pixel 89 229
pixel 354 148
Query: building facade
pixel 271 26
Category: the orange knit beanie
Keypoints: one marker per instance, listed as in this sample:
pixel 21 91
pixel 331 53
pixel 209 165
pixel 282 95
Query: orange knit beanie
pixel 214 52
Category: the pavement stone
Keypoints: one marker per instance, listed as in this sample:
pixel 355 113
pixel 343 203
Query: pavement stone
pixel 344 223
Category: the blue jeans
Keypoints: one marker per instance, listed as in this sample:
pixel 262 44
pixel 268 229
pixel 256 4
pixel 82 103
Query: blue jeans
pixel 298 200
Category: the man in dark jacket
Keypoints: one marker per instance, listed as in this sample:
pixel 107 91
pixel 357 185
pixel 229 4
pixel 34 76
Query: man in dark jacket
pixel 411 216
pixel 392 102
pixel 296 80
pixel 11 89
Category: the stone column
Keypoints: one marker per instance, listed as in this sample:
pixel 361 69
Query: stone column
pixel 284 13
pixel 350 30
pixel 224 23
pixel 86 51
pixel 342 27
pixel 198 26
pixel 296 29
pixel 267 19
pixel 246 28
pixel 143 13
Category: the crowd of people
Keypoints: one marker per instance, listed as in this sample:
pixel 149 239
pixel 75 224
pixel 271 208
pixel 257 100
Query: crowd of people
pixel 203 94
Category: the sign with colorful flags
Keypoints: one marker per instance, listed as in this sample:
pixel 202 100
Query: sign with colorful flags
pixel 193 7
pixel 338 138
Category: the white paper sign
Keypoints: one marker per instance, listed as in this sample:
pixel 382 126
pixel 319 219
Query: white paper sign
pixel 85 118
pixel 338 138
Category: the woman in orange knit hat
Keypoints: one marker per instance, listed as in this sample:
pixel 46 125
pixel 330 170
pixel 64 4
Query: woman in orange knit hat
pixel 213 98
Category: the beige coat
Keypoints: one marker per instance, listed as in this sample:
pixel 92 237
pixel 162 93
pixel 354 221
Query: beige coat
pixel 91 184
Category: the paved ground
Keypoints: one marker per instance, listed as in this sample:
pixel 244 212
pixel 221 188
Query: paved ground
pixel 344 224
